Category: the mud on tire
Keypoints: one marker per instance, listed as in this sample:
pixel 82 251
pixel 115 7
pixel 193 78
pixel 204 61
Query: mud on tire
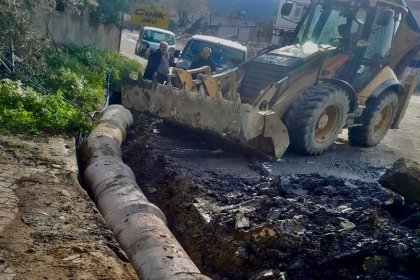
pixel 316 118
pixel 376 120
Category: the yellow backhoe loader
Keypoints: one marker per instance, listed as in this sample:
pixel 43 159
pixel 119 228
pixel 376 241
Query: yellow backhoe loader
pixel 339 71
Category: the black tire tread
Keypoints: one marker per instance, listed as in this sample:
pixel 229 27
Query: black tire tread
pixel 300 116
pixel 360 135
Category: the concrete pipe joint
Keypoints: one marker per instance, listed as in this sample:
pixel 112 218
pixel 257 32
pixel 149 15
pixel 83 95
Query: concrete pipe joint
pixel 139 226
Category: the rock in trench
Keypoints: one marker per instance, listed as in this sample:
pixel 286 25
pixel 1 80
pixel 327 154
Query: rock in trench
pixel 404 178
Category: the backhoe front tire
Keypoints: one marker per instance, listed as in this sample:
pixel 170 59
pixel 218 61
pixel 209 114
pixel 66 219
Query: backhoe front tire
pixel 376 120
pixel 316 118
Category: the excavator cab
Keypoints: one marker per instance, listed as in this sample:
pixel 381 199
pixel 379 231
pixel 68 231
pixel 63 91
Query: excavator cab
pixel 366 33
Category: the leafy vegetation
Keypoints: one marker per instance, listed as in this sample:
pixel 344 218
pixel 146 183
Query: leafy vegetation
pixel 108 11
pixel 100 11
pixel 15 26
pixel 79 73
pixel 56 78
pixel 16 20
pixel 24 110
pixel 69 75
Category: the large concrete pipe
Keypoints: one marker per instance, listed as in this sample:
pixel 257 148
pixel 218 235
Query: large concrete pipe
pixel 139 226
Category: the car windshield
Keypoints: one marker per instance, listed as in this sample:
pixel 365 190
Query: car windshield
pixel 332 24
pixel 157 37
pixel 221 55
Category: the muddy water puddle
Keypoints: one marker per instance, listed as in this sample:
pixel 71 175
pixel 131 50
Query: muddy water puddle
pixel 241 218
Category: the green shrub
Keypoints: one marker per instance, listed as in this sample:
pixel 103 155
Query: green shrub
pixel 69 74
pixel 117 64
pixel 24 110
pixel 18 120
pixel 79 72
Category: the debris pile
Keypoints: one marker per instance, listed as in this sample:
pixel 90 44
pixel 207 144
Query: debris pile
pixel 239 223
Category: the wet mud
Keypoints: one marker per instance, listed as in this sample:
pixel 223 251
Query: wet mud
pixel 239 221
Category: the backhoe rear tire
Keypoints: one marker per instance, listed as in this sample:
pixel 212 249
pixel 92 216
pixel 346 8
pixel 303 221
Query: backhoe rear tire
pixel 376 120
pixel 316 118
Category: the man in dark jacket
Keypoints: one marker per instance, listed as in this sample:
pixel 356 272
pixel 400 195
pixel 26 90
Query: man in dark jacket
pixel 204 60
pixel 158 62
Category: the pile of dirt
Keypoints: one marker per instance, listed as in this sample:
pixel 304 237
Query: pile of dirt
pixel 57 232
pixel 238 222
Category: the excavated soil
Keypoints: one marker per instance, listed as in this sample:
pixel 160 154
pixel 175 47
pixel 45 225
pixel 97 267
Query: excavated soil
pixel 237 221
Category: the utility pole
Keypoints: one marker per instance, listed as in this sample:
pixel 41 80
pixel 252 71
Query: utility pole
pixel 121 30
pixel 12 56
pixel 12 48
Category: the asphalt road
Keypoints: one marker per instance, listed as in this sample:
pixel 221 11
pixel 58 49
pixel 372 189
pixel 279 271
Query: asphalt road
pixel 128 45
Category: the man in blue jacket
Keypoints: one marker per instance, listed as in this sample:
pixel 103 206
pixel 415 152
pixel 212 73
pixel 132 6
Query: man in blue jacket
pixel 158 62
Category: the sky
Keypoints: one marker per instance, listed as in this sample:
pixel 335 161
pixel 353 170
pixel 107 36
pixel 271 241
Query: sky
pixel 261 10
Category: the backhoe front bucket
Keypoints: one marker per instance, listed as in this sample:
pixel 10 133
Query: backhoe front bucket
pixel 231 119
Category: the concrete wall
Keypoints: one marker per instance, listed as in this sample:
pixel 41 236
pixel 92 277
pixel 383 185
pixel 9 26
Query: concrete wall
pixel 233 28
pixel 234 32
pixel 239 33
pixel 66 28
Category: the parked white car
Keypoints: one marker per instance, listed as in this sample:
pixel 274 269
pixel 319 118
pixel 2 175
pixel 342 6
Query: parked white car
pixel 225 53
pixel 150 38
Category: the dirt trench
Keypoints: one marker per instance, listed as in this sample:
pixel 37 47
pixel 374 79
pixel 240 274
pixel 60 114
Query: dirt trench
pixel 237 221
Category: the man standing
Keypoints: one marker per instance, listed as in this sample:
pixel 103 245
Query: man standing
pixel 158 62
pixel 204 60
